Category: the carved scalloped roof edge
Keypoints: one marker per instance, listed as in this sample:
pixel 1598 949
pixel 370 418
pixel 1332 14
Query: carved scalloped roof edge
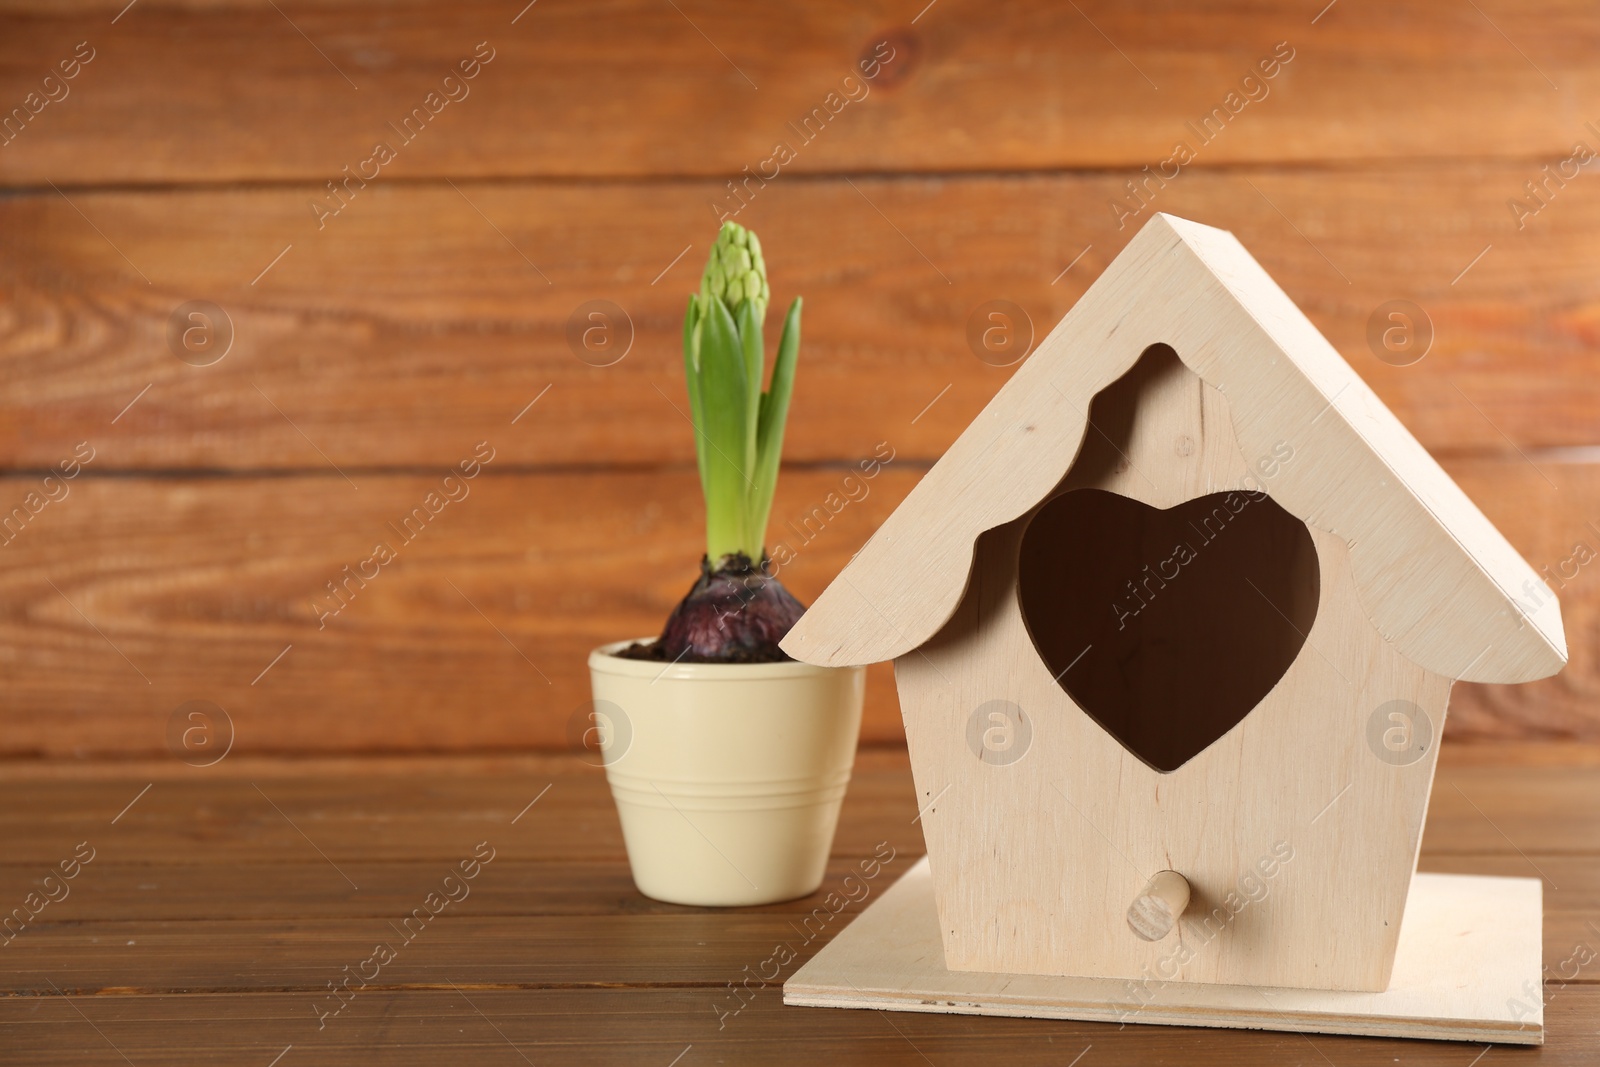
pixel 1435 577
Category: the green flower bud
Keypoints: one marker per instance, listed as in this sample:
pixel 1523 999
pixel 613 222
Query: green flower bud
pixel 735 271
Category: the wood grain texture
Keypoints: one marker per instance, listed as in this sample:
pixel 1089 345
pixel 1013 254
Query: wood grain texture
pixel 1159 905
pixel 1038 843
pixel 474 637
pixel 234 919
pixel 1437 581
pixel 178 888
pixel 195 816
pixel 1548 509
pixel 201 582
pixel 1469 948
pixel 408 325
pixel 590 153
pixel 622 88
pixel 408 329
pixel 632 1026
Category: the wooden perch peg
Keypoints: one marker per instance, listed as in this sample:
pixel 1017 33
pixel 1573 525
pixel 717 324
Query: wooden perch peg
pixel 1154 912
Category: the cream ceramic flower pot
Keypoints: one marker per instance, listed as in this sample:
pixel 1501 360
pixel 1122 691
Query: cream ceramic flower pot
pixel 727 777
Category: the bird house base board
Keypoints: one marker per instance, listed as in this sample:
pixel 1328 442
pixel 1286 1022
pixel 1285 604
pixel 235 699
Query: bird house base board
pixel 1467 968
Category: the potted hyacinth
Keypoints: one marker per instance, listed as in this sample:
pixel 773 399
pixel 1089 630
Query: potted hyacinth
pixel 728 760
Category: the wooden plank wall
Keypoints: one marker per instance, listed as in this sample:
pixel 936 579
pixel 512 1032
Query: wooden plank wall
pixel 381 330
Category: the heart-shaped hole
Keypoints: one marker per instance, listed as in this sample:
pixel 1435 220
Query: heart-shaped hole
pixel 1167 627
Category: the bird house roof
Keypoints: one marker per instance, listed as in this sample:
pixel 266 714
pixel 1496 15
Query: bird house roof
pixel 1435 577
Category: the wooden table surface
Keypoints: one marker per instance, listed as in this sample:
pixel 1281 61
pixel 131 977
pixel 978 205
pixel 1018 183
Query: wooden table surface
pixel 211 911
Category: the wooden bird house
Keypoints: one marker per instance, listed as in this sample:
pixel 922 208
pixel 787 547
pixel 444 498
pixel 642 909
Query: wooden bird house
pixel 1174 624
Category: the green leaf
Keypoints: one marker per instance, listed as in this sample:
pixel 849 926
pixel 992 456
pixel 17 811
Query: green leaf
pixel 691 377
pixel 747 319
pixel 724 401
pixel 773 414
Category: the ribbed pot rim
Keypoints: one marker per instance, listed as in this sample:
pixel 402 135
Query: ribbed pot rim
pixel 829 778
pixel 605 660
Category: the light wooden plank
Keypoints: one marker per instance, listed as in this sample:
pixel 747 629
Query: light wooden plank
pixel 1300 866
pixel 1437 581
pixel 1468 950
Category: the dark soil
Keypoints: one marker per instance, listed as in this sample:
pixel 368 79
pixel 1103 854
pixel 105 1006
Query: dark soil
pixel 735 614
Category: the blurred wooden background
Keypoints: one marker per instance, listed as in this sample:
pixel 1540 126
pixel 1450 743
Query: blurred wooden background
pixel 373 349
